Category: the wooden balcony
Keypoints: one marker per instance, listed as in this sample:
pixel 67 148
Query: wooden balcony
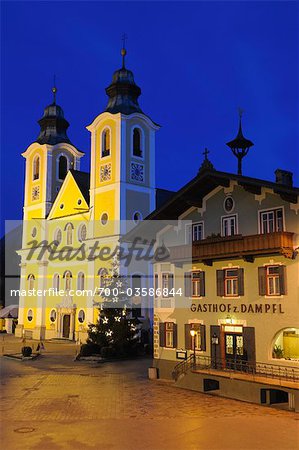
pixel 246 247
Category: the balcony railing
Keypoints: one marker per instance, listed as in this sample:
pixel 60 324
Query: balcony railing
pixel 236 247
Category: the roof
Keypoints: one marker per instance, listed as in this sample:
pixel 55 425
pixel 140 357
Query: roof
pixel 193 192
pixel 9 311
pixel 82 180
pixel 162 196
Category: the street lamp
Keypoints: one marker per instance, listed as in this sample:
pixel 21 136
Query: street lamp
pixel 193 334
pixel 215 342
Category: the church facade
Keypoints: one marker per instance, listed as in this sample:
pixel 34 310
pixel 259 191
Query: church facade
pixel 67 207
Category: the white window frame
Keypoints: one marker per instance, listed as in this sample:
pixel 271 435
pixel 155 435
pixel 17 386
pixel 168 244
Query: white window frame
pixel 198 283
pixel 57 165
pixel 229 217
pixel 166 272
pixel 230 280
pixel 169 334
pixel 273 277
pixel 268 210
pixel 196 224
pixel 80 231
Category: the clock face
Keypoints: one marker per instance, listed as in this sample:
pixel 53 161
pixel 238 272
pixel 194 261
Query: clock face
pixel 137 172
pixel 35 193
pixel 229 204
pixel 105 173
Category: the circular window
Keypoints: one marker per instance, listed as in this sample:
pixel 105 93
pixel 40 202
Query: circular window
pixel 229 204
pixel 79 201
pixel 33 233
pixel 104 218
pixel 30 315
pixel 137 217
pixel 81 316
pixel 58 236
pixel 82 233
pixel 61 206
pixel 53 315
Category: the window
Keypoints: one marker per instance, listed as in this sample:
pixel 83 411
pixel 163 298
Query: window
pixel 286 344
pixel 168 334
pixel 194 283
pixel 104 219
pixel 31 280
pixel 53 315
pixel 36 163
pixel 81 316
pixel 106 143
pixel 271 221
pixel 167 284
pixel 272 280
pixel 197 231
pixel 30 315
pixel 68 280
pixel 56 281
pixel 69 233
pixel 58 235
pixel 80 284
pixel 137 143
pixel 156 282
pixel 229 226
pixel 82 232
pixel 62 167
pixel 230 282
pixel 103 277
pixel 199 339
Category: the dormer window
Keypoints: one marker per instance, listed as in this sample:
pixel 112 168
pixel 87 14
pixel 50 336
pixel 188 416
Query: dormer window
pixel 137 151
pixel 106 143
pixel 36 164
pixel 62 167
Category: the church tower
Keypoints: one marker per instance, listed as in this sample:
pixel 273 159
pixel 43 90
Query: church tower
pixel 48 160
pixel 122 183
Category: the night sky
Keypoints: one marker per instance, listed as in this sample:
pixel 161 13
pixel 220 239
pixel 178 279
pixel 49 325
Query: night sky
pixel 196 63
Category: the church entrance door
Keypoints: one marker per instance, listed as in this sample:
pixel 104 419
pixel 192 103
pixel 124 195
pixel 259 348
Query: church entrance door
pixel 66 326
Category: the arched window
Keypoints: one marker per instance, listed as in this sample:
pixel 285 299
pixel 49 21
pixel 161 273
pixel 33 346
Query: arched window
pixel 58 235
pixel 69 233
pixel 36 168
pixel 285 344
pixel 106 143
pixel 68 280
pixel 53 315
pixel 82 233
pixel 81 316
pixel 62 167
pixel 102 276
pixel 137 142
pixel 56 280
pixel 80 282
pixel 31 280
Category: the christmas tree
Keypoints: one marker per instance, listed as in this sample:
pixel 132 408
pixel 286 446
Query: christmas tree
pixel 115 329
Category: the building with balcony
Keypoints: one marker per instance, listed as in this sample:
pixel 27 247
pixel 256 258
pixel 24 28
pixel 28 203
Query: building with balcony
pixel 234 274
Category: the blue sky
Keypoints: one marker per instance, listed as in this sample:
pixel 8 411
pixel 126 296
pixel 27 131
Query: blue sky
pixel 196 63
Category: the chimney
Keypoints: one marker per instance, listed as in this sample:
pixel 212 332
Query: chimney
pixel 284 177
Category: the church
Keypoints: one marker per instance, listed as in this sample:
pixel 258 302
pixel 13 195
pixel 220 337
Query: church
pixel 69 207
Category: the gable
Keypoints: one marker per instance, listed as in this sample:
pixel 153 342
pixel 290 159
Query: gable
pixel 70 200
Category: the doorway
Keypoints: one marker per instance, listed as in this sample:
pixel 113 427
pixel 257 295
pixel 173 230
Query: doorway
pixel 235 355
pixel 66 326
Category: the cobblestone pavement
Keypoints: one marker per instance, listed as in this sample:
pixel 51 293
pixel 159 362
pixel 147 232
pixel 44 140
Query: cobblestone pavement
pixel 56 403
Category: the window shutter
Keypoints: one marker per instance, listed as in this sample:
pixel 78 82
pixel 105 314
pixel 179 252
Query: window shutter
pixel 187 284
pixel 202 284
pixel 220 283
pixel 249 344
pixel 170 283
pixel 262 280
pixel 175 335
pixel 187 336
pixel 202 337
pixel 241 282
pixel 282 280
pixel 162 334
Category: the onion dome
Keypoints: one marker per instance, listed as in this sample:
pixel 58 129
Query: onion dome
pixel 53 125
pixel 123 92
